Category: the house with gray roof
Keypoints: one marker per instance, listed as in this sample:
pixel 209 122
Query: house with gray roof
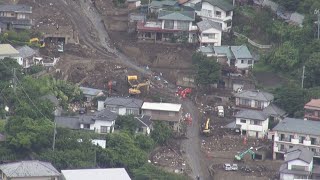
pixel 253 99
pixel 252 123
pixel 292 132
pixel 100 122
pixel 121 105
pixel 155 6
pixel 234 56
pixel 26 170
pixel 26 55
pixel 220 11
pixel 298 164
pixel 170 26
pixel 16 16
pixel 91 93
pixel 210 33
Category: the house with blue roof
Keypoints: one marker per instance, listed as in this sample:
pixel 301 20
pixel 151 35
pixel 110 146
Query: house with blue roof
pixel 170 26
pixel 235 56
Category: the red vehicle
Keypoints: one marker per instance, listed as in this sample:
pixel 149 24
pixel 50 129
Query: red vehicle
pixel 183 93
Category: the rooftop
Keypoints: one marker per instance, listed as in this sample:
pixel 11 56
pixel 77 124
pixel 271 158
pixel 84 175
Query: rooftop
pixel 284 169
pixel 160 4
pixel 16 8
pixel 96 174
pixel 252 114
pixel 255 95
pixel 29 169
pixel 161 106
pixel 222 4
pixel 26 51
pixel 8 50
pixel 299 126
pixel 274 110
pixel 207 24
pixel 144 120
pixel 313 104
pixel 176 15
pixel 300 153
pixel 241 52
pixel 91 91
pixel 123 101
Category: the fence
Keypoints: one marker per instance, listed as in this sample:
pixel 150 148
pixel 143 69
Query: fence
pixel 260 46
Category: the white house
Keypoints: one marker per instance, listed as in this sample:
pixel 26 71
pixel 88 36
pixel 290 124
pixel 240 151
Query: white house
pixel 100 122
pixel 298 164
pixel 219 11
pixel 7 51
pixel 95 174
pixel 121 105
pixel 252 123
pixel 210 33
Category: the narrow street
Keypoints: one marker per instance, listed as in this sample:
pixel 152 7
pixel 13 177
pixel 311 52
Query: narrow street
pixel 192 145
pixel 85 19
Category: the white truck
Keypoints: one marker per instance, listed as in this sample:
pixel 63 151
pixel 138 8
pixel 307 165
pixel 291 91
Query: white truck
pixel 220 111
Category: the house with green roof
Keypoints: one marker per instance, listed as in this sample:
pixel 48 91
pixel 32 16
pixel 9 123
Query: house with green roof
pixel 219 11
pixel 170 26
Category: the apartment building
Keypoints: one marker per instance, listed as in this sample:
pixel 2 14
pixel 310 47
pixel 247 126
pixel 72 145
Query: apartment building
pixel 291 132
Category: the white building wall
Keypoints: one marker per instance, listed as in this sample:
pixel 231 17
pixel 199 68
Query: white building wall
pixel 191 3
pixel 216 41
pixel 298 162
pixel 243 65
pixel 286 176
pixel 252 129
pixel 122 111
pixel 97 125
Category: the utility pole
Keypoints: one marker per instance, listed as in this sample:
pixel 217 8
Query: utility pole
pixel 317 12
pixel 14 81
pixel 54 135
pixel 302 79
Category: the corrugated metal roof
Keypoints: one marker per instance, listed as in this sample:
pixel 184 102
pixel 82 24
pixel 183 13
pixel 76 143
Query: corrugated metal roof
pixel 206 49
pixel 26 51
pixel 161 106
pixel 255 95
pixel 207 24
pixel 91 91
pixel 96 174
pixel 160 4
pixel 301 153
pixel 252 114
pixel 241 52
pixel 222 4
pixel 29 169
pixel 16 8
pixel 8 50
pixel 176 15
pixel 223 50
pixel 124 102
pixel 299 126
pixel 274 110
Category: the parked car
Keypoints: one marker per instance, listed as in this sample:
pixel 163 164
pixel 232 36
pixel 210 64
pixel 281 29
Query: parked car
pixel 234 167
pixel 227 167
pixel 60 47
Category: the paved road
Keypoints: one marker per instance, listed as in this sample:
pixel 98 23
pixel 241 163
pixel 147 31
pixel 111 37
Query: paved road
pixel 85 19
pixel 192 145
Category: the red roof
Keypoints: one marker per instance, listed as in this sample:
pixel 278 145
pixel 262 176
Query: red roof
pixel 313 104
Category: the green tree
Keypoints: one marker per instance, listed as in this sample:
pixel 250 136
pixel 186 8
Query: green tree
pixel 290 5
pixel 149 171
pixel 127 123
pixel 312 72
pixel 285 57
pixel 208 69
pixel 26 135
pixel 144 142
pixel 161 132
pixel 121 151
pixel 291 99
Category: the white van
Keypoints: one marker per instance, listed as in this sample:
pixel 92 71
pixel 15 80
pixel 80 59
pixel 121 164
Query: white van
pixel 220 111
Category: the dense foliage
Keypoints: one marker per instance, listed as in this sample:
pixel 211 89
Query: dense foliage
pixel 208 69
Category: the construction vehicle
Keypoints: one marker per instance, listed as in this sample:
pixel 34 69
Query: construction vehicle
pixel 220 111
pixel 136 88
pixel 132 81
pixel 37 42
pixel 206 128
pixel 240 156
pixel 183 93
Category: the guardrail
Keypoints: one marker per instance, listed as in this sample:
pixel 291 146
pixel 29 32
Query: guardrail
pixel 260 46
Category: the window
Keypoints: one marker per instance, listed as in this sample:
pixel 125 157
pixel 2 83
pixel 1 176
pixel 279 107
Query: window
pixel 255 122
pixel 249 61
pixel 209 36
pixel 168 24
pixel 228 13
pixel 257 104
pixel 313 141
pixel 183 25
pixel 229 23
pixel 245 102
pixel 242 61
pixel 291 137
pixel 281 147
pixel 218 13
pixel 113 109
pixel 130 111
pixel 243 121
pixel 86 126
pixel 290 147
pixel 206 12
pixel 282 136
pixel 103 129
pixel 301 139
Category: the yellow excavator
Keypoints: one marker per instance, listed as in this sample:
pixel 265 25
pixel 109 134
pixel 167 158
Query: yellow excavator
pixel 133 81
pixel 136 88
pixel 206 128
pixel 37 42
